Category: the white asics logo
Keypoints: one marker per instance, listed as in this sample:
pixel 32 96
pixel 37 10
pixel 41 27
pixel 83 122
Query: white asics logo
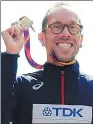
pixel 38 86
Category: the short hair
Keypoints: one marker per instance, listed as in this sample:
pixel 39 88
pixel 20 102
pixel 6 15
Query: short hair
pixel 56 6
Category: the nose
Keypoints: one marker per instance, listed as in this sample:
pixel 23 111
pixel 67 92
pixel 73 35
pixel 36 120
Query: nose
pixel 65 32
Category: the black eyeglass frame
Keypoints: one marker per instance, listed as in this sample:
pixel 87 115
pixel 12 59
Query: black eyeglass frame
pixel 65 25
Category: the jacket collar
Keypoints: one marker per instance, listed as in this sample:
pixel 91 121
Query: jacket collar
pixel 50 68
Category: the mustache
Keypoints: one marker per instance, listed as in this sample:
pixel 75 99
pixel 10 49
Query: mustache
pixel 63 39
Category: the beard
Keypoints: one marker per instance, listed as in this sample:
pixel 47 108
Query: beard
pixel 62 59
pixel 65 58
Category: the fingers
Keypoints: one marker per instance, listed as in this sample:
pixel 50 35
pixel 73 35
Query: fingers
pixel 18 31
pixel 13 38
pixel 7 34
pixel 14 31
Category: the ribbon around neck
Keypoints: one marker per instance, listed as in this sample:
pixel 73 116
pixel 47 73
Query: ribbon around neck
pixel 27 50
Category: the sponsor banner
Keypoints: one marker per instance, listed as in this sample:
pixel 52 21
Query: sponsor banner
pixel 49 113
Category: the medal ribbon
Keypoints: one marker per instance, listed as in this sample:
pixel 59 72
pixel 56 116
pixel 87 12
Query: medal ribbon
pixel 27 50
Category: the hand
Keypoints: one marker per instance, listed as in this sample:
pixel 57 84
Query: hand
pixel 14 39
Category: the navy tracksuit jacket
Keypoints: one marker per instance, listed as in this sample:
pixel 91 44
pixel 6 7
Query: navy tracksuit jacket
pixel 52 85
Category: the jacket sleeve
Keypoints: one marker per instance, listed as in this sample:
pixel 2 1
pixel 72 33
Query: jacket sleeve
pixel 8 76
pixel 16 100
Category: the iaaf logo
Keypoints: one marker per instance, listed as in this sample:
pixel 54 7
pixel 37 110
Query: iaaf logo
pixel 65 112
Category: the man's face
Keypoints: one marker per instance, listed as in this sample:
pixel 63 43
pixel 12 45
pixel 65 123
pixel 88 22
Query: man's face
pixel 64 45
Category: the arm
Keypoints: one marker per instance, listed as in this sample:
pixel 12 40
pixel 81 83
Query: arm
pixel 8 76
pixel 14 40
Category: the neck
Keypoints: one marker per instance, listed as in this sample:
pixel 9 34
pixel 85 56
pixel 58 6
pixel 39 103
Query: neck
pixel 52 60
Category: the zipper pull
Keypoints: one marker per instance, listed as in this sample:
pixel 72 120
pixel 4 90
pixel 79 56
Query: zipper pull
pixel 62 72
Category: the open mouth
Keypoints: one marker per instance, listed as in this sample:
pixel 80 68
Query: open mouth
pixel 64 45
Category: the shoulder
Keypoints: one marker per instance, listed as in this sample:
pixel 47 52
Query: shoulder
pixel 29 77
pixel 26 82
pixel 88 78
pixel 86 82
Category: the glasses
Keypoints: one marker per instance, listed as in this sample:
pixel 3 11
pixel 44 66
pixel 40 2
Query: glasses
pixel 58 27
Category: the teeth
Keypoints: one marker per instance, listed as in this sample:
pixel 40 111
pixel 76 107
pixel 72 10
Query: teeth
pixel 64 45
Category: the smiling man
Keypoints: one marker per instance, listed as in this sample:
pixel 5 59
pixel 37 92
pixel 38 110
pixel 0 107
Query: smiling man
pixel 61 34
pixel 59 83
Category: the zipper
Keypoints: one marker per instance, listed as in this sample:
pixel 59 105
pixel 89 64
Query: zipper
pixel 62 88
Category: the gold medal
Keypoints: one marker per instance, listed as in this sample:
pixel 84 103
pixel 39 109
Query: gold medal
pixel 24 22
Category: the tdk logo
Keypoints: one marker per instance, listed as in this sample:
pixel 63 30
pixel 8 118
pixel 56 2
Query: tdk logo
pixel 65 112
pixel 47 111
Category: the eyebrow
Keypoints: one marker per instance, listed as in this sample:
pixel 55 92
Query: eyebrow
pixel 71 22
pixel 75 22
pixel 56 22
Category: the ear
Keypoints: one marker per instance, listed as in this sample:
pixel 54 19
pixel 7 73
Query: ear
pixel 42 39
pixel 81 39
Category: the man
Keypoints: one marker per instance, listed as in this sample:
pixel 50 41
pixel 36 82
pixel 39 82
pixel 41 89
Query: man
pixel 60 81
